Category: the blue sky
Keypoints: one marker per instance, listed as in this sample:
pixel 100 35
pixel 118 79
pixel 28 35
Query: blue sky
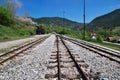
pixel 73 8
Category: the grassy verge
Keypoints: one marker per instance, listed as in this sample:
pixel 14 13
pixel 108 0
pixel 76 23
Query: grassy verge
pixel 15 32
pixel 112 46
pixel 8 49
pixel 108 45
pixel 13 47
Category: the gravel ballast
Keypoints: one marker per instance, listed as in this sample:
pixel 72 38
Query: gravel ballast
pixel 108 70
pixel 30 65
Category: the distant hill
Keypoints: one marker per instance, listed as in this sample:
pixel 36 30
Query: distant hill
pixel 109 20
pixel 58 22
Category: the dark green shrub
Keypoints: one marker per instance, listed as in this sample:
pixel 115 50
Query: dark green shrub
pixel 99 38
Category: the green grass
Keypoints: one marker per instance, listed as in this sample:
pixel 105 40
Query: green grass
pixel 14 32
pixel 112 46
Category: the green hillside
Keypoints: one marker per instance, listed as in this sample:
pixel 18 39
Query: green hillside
pixel 58 22
pixel 107 21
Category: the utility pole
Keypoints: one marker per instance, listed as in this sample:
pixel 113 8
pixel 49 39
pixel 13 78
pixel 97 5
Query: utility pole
pixel 84 19
pixel 63 19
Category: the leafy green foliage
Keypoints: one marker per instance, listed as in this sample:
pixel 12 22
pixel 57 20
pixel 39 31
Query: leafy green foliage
pixel 6 17
pixel 99 39
pixel 116 31
pixel 59 30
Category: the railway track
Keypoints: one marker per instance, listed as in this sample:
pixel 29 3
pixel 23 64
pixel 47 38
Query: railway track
pixel 65 64
pixel 11 54
pixel 110 54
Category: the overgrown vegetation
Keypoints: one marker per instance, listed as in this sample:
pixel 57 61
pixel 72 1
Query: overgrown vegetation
pixel 15 32
pixel 6 17
pixel 11 27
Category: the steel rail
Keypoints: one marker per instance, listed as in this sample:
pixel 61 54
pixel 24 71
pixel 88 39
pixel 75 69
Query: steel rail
pixel 98 52
pixel 94 49
pixel 108 51
pixel 58 59
pixel 19 50
pixel 84 77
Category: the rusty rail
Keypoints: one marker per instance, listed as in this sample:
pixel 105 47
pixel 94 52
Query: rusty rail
pixel 19 50
pixel 84 76
pixel 58 59
pixel 95 49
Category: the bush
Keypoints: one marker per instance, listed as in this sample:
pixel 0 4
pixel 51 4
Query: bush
pixel 99 38
pixel 6 17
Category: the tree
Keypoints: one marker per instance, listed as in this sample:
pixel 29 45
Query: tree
pixel 5 16
pixel 10 7
pixel 13 5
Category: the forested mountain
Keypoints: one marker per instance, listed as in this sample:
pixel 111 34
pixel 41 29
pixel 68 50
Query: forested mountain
pixel 58 22
pixel 107 21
